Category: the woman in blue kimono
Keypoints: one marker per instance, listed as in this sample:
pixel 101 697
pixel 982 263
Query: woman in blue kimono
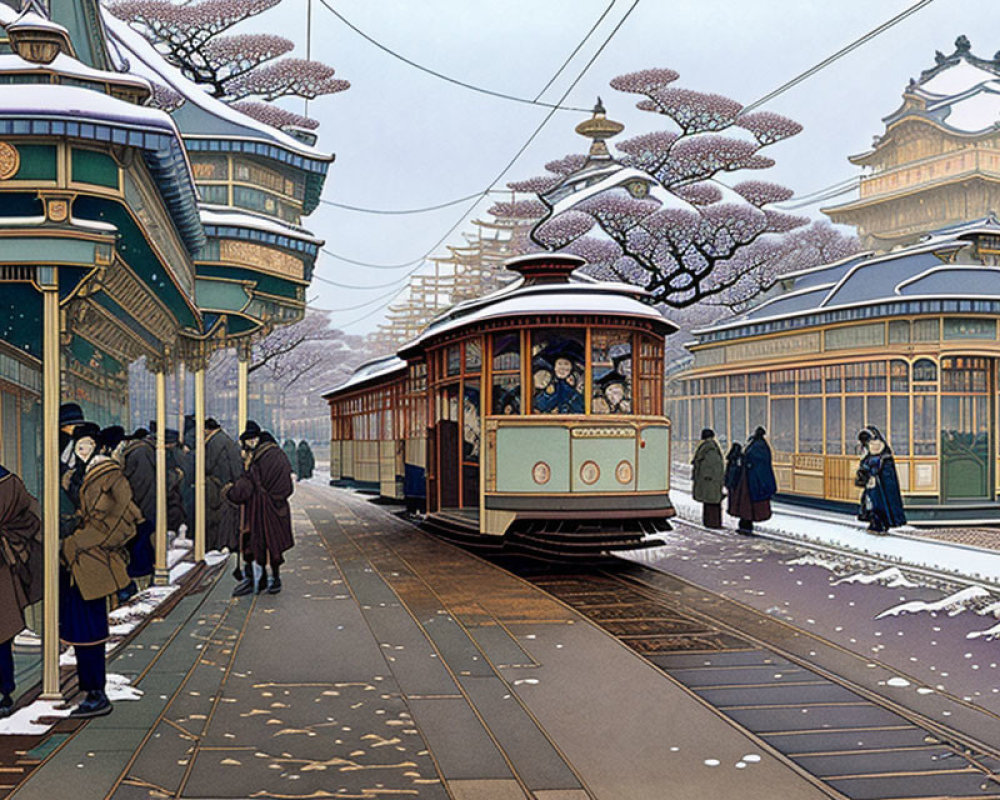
pixel 881 503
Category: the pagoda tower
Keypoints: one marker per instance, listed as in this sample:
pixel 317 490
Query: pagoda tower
pixel 938 161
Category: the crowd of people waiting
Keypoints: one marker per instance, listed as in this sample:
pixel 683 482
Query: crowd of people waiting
pixel 746 477
pixel 107 522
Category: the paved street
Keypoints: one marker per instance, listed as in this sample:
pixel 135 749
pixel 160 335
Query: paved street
pixel 394 665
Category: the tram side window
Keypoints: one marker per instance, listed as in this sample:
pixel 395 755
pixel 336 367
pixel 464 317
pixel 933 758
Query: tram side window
pixel 611 372
pixel 507 373
pixel 557 365
pixel 471 426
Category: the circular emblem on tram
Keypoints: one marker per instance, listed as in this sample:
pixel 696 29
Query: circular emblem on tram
pixel 541 473
pixel 10 161
pixel 590 473
pixel 623 472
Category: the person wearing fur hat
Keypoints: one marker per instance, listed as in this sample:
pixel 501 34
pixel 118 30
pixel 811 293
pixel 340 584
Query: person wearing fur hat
pixel 94 557
pixel 263 490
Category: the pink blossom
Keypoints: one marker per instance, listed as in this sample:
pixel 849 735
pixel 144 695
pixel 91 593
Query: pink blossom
pixel 694 112
pixel 761 193
pixel 644 81
pixel 520 209
pixel 768 127
pixel 275 116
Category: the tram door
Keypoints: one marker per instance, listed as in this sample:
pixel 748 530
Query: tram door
pixel 447 445
pixel 966 422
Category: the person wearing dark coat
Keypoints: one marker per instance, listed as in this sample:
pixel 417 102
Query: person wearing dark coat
pixel 185 460
pixel 139 465
pixel 70 416
pixel 20 572
pixel 223 465
pixel 756 484
pixel 292 454
pixel 707 473
pixel 176 515
pixel 94 556
pixel 306 461
pixel 881 501
pixel 263 490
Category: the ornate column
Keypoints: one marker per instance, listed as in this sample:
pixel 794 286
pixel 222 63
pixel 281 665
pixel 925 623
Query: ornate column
pixel 181 392
pixel 161 572
pixel 48 281
pixel 243 383
pixel 197 366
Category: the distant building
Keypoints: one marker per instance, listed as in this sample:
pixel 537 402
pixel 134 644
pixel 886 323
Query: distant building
pixel 906 340
pixel 938 162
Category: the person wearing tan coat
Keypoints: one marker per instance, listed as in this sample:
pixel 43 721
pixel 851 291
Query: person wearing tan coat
pixel 95 562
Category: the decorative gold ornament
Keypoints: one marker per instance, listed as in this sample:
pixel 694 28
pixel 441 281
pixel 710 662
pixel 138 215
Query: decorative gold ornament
pixel 541 473
pixel 10 161
pixel 623 472
pixel 590 473
pixel 58 210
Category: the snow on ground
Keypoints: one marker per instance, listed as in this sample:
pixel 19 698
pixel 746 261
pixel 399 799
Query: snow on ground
pixel 810 560
pixel 891 577
pixel 24 721
pixel 180 570
pixel 119 688
pixel 846 533
pixel 954 604
pixel 213 557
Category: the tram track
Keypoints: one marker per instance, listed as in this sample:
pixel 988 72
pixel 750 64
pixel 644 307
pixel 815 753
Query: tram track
pixel 813 703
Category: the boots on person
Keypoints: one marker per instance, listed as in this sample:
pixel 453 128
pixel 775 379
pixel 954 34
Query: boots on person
pixel 6 706
pixel 96 704
pixel 274 586
pixel 243 588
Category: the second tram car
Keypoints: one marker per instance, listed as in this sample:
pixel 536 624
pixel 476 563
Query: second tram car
pixel 530 420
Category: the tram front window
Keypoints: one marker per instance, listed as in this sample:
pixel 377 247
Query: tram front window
pixel 611 372
pixel 507 373
pixel 557 368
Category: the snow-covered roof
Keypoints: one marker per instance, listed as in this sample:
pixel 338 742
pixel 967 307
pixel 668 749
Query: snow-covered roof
pixel 205 118
pixel 224 221
pixel 367 373
pixel 604 299
pixel 69 67
pixel 915 272
pixel 962 93
pixel 58 110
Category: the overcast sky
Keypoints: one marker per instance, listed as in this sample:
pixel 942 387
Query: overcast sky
pixel 405 139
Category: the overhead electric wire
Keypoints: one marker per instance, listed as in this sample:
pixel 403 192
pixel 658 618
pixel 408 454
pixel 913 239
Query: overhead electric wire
pixel 838 55
pixel 450 203
pixel 576 49
pixel 441 75
pixel 510 163
pixel 458 200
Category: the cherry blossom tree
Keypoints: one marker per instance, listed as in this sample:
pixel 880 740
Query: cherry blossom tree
pixel 248 67
pixel 694 237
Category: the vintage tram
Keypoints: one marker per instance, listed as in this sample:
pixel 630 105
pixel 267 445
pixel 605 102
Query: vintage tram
pixel 529 420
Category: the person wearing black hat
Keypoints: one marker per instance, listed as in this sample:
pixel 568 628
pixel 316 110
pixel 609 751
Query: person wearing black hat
pixel 138 458
pixel 707 473
pixel 70 473
pixel 223 465
pixel 21 578
pixel 263 490
pixel 881 501
pixel 94 557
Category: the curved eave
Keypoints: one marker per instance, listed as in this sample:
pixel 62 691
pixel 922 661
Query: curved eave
pixel 315 169
pixel 367 375
pixel 33 111
pixel 583 304
pixel 973 174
